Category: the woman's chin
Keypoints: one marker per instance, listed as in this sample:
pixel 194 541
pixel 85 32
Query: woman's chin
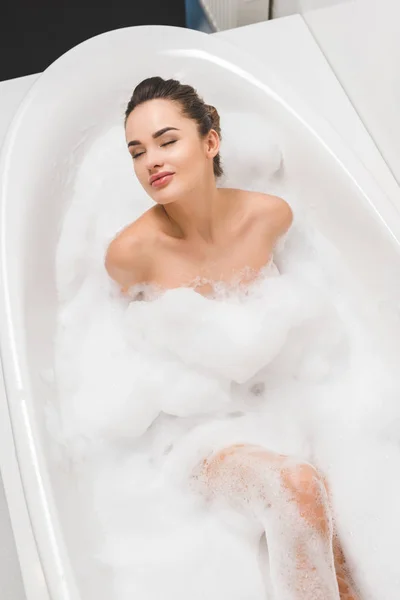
pixel 164 199
pixel 167 195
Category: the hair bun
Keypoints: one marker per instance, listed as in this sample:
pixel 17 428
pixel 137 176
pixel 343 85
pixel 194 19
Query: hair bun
pixel 214 116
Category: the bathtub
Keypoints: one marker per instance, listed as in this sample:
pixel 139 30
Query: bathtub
pixel 75 100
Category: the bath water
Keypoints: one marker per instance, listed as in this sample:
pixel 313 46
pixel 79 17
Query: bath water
pixel 149 386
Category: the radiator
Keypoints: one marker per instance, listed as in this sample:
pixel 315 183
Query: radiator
pixel 222 14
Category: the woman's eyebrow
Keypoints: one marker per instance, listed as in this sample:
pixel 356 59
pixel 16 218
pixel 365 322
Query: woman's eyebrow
pixel 154 136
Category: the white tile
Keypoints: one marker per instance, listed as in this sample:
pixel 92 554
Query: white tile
pixel 361 41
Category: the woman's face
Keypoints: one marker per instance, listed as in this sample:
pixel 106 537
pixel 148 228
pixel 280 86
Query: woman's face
pixel 163 141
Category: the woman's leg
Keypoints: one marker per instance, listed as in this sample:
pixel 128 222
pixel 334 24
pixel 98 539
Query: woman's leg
pixel 290 500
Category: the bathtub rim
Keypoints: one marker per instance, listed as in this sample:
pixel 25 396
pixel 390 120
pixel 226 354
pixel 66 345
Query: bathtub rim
pixel 46 529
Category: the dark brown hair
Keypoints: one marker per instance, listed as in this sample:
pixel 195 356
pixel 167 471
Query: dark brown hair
pixel 193 107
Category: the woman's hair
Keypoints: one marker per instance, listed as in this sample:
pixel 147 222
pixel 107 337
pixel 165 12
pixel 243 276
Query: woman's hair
pixel 193 107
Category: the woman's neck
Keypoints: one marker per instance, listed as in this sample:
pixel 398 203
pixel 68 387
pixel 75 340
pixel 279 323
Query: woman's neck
pixel 199 214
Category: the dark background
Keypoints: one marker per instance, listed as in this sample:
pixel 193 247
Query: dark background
pixel 34 33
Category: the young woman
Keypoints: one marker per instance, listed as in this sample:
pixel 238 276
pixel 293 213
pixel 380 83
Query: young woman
pixel 197 233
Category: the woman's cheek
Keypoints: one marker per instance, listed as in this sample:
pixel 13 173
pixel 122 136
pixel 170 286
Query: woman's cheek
pixel 182 154
pixel 143 177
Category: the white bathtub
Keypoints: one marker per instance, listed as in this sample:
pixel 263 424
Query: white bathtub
pixel 76 99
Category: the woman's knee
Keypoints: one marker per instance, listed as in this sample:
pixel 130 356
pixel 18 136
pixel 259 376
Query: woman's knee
pixel 237 470
pixel 306 488
pixel 247 470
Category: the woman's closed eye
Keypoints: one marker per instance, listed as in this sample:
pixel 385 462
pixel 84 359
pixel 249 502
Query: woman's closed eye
pixel 162 145
pixel 168 143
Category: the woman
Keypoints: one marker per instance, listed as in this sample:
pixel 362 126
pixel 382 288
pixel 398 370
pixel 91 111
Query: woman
pixel 197 233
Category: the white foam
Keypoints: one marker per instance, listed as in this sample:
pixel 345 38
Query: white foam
pixel 148 389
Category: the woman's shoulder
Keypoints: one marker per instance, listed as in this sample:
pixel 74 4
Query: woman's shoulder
pixel 128 256
pixel 259 199
pixel 263 208
pixel 273 213
pixel 137 233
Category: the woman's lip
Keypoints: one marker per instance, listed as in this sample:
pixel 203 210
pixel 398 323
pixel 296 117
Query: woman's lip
pixel 162 180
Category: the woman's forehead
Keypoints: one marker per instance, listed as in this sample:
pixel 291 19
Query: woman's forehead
pixel 156 109
pixel 151 116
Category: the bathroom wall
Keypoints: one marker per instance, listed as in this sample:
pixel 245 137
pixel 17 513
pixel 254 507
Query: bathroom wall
pixel 361 41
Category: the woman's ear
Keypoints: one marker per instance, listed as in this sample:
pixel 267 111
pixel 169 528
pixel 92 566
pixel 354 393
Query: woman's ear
pixel 212 143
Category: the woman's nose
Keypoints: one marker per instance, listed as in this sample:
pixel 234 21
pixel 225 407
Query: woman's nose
pixel 153 159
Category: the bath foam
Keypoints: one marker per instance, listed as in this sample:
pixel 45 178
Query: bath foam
pixel 147 389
